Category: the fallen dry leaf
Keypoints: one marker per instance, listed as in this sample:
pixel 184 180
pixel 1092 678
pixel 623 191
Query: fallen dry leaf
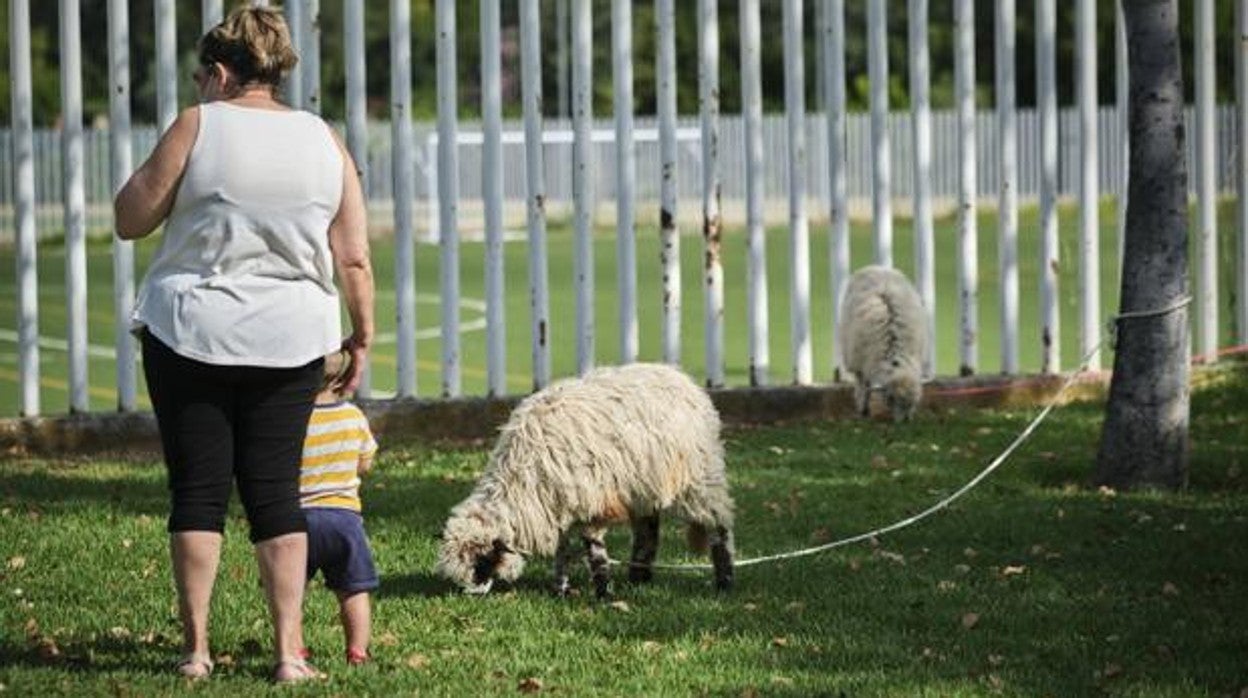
pixel 651 646
pixel 1111 671
pixel 1013 570
pixel 119 632
pixel 48 649
pixel 750 606
pixel 387 640
pixel 1106 491
pixel 946 585
pixel 879 462
pixel 970 620
pixel 17 562
pixel 796 606
pixel 621 606
pixel 416 661
pixel 821 535
pixel 530 685
pixel 779 642
pixel 1169 589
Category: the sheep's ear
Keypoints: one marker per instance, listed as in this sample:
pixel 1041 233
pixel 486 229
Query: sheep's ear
pixel 500 547
pixel 896 363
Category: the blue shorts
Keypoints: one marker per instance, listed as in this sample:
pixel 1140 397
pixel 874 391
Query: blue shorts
pixel 338 547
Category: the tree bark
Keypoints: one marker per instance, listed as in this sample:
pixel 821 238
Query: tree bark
pixel 1144 442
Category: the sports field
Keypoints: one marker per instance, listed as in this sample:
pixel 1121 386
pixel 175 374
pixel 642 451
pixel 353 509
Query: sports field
pixel 52 305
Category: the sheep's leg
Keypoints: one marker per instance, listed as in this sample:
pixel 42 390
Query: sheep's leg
pixel 721 558
pixel 645 548
pixel 599 562
pixel 862 397
pixel 563 555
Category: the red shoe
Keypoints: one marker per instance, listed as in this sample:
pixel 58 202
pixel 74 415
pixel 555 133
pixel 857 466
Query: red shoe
pixel 305 653
pixel 357 657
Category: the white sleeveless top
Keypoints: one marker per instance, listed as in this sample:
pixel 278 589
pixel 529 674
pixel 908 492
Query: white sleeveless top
pixel 243 275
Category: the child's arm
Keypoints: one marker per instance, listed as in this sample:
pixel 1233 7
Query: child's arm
pixel 365 465
pixel 368 449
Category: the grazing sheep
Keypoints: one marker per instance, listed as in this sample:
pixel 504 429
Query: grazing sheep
pixel 883 331
pixel 620 444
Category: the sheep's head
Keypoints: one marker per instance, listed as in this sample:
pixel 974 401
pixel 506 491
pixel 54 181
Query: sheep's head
pixel 903 387
pixel 899 380
pixel 476 549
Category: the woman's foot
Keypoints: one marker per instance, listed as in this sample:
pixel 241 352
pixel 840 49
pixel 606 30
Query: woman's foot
pixel 195 666
pixel 295 671
pixel 357 656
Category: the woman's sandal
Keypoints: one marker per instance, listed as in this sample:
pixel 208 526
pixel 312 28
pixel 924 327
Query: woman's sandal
pixel 295 671
pixel 195 666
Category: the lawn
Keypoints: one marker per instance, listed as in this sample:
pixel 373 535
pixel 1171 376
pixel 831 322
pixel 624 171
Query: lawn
pixel 562 294
pixel 1033 584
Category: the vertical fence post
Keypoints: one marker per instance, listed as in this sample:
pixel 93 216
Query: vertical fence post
pixel 1206 185
pixel 1007 197
pixel 75 200
pixel 921 123
pixel 881 195
pixel 1046 106
pixel 755 240
pixel 492 193
pixel 401 147
pixel 968 244
pixel 1121 95
pixel 669 240
pixel 712 266
pixel 582 180
pixel 535 192
pixel 799 234
pixel 1089 188
pixel 310 58
pixel 626 173
pixel 22 107
pixel 210 14
pixel 838 217
pixel 293 10
pixel 561 58
pixel 357 117
pixel 448 195
pixel 166 63
pixel 120 165
pixel 1241 183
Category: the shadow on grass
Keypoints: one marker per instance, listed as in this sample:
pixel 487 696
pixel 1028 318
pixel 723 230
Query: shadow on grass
pixel 50 488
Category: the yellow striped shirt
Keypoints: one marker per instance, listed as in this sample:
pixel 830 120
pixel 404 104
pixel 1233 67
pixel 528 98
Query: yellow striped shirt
pixel 338 437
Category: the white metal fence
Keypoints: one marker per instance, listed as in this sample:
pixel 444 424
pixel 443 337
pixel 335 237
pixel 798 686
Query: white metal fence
pixel 943 183
pixel 832 158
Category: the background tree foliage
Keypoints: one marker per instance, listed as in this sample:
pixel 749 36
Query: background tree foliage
pixel 45 58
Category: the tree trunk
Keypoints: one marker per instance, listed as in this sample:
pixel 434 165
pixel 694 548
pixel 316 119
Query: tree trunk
pixel 1145 436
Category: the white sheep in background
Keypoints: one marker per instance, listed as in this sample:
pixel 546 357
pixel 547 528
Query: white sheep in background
pixel 620 444
pixel 883 332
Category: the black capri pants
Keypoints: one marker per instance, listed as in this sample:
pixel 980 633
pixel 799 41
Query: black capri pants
pixel 221 425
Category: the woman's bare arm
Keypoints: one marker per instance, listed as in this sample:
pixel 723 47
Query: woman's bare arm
pixel 348 241
pixel 146 198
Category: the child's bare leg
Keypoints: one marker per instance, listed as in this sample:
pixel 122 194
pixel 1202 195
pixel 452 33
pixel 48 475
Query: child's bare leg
pixel 356 614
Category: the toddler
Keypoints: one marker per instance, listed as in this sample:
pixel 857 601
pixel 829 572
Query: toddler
pixel 338 449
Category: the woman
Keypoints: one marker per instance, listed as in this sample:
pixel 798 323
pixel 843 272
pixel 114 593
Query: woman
pixel 261 204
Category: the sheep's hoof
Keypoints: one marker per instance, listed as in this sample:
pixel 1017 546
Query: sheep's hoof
pixel 723 585
pixel 564 590
pixel 603 594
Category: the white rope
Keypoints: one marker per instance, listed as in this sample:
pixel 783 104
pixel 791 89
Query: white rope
pixel 996 463
pixel 1112 325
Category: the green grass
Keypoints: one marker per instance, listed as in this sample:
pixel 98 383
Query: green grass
pixel 1071 591
pixel 562 304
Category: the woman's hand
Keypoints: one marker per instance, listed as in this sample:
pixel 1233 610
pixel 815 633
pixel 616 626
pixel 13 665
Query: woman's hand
pixel 357 346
